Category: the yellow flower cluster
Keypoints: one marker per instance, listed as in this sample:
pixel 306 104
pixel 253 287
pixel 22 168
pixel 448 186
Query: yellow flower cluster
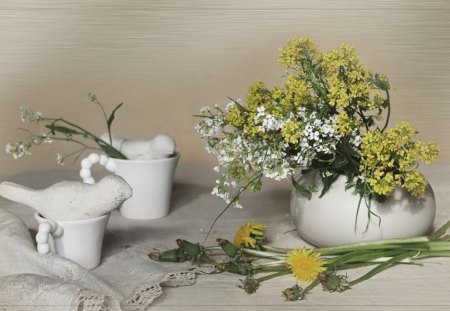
pixel 278 102
pixel 296 50
pixel 297 93
pixel 415 183
pixel 291 132
pixel 429 152
pixel 335 80
pixel 347 77
pixel 235 116
pixel 389 159
pixel 258 96
pixel 344 124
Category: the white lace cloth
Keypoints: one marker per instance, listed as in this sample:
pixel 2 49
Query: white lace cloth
pixel 126 279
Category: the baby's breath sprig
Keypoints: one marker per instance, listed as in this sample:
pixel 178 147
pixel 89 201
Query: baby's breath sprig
pixel 60 129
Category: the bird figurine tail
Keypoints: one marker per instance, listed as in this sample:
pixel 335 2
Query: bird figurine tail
pixel 17 193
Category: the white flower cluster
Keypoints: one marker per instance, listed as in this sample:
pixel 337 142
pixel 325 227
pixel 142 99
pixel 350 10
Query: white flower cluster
pixel 211 125
pixel 318 136
pixel 239 155
pixel 30 116
pixel 21 148
pixel 18 150
pixel 266 121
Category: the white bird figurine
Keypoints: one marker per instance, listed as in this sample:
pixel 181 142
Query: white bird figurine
pixel 161 146
pixel 71 200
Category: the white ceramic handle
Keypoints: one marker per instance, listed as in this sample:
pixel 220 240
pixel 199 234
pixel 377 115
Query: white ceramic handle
pixel 43 235
pixel 92 159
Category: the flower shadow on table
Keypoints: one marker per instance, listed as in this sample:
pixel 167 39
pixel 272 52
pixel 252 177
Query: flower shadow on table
pixel 184 193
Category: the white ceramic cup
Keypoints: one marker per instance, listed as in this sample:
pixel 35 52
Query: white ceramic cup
pixel 151 181
pixel 78 240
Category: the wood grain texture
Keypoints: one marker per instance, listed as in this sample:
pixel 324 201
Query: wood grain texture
pixel 166 59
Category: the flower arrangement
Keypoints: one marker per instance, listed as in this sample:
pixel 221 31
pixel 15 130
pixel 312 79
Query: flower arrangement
pixel 326 119
pixel 60 129
pixel 250 255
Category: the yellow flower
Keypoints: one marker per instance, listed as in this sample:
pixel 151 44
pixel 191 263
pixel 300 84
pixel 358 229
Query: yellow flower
pixel 347 77
pixel 305 264
pixel 291 132
pixel 235 117
pixel 258 95
pixel 297 93
pixel 415 183
pixel 428 152
pixel 296 50
pixel 247 234
pixel 343 123
pixel 383 183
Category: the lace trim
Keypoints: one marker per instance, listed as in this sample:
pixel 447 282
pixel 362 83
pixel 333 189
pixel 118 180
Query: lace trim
pixel 143 297
pixel 184 278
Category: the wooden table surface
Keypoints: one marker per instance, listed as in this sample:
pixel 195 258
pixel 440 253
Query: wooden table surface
pixel 194 208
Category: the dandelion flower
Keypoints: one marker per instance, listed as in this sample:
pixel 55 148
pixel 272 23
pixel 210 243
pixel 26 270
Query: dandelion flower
pixel 248 234
pixel 305 264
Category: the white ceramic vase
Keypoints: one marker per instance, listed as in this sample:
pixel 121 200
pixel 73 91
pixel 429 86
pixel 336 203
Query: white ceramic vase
pixel 78 240
pixel 334 219
pixel 151 181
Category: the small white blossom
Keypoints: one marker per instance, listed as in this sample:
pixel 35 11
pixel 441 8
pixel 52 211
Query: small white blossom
pixel 204 109
pixel 60 159
pixel 30 115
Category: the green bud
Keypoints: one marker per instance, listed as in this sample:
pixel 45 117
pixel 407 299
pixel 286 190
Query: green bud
pixel 249 284
pixel 294 293
pixel 192 251
pixel 230 267
pixel 334 283
pixel 173 255
pixel 229 248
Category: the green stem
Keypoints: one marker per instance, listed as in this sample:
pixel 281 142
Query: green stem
pixel 273 275
pixel 388 99
pixel 234 199
pixel 275 249
pixel 440 232
pixel 311 286
pixel 388 244
pixel 75 141
pixel 264 254
pixel 95 138
pixel 383 266
pixel 272 264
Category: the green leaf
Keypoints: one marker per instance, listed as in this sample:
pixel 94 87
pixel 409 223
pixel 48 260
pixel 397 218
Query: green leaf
pixel 63 130
pixel 305 191
pixel 110 150
pixel 112 116
pixel 339 161
pixel 440 232
pixel 327 181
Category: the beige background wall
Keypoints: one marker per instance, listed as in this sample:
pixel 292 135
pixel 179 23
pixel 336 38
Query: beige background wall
pixel 166 59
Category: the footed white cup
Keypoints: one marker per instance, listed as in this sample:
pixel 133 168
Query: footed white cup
pixel 78 240
pixel 151 181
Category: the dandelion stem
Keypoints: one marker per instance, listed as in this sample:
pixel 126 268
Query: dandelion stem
pixel 273 275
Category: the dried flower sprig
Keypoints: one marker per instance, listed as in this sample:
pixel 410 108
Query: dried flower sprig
pixel 60 129
pixel 309 266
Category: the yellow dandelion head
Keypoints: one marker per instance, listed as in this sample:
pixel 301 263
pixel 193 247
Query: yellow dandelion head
pixel 305 264
pixel 248 234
